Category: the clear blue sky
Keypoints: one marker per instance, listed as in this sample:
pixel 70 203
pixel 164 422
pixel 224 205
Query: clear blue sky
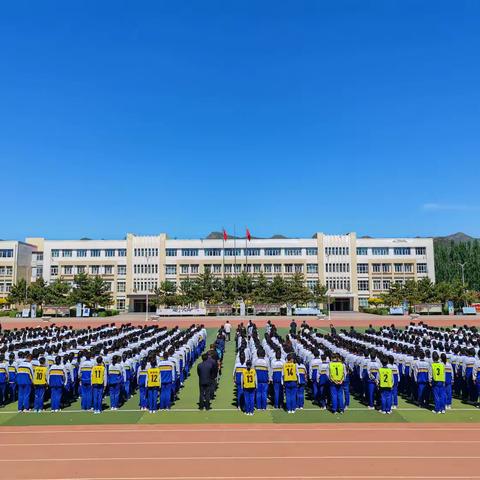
pixel 289 117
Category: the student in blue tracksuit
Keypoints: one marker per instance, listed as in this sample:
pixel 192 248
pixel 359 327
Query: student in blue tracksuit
pixel 420 376
pixel 437 378
pixel 115 379
pixel 385 384
pixel 153 385
pixel 167 379
pixel 142 385
pixel 336 374
pixel 99 382
pixel 449 375
pixel 24 383
pixel 39 384
pixel 277 379
pixel 85 375
pixel 237 377
pixel 323 382
pixel 3 379
pixel 290 382
pixel 12 378
pixel 127 367
pixel 302 380
pixel 261 369
pixel 249 384
pixel 396 380
pixel 313 375
pixel 57 379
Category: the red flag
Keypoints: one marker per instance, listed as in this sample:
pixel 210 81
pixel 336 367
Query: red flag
pixel 225 236
pixel 248 235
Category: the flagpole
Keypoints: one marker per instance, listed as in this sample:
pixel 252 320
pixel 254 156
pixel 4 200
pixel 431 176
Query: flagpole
pixel 223 254
pixel 235 260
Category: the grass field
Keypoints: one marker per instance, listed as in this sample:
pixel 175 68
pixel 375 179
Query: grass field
pixel 223 410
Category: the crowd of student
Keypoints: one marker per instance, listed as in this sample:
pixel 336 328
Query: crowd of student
pixel 426 365
pixel 61 364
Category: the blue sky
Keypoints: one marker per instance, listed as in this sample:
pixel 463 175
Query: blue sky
pixel 289 117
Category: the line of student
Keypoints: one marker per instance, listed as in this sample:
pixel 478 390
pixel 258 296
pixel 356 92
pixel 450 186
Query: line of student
pixel 62 364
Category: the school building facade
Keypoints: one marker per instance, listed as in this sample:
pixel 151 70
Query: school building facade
pixel 354 269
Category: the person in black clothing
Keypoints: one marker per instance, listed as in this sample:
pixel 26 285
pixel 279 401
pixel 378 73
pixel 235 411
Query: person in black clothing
pixel 204 371
pixel 214 362
pixel 293 328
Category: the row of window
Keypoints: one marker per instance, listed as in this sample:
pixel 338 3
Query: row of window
pixel 145 268
pixel 387 267
pixel 388 251
pixel 94 252
pixel 5 287
pixel 6 253
pixel 145 285
pixel 339 283
pixel 238 252
pixel 145 252
pixel 337 251
pixel 6 271
pixel 337 267
pixel 238 268
pixel 92 270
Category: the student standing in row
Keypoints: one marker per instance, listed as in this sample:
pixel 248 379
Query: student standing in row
pixel 57 379
pixel 261 369
pixel 290 381
pixel 249 384
pixel 153 385
pixel 437 377
pixel 3 379
pixel 24 379
pixel 142 385
pixel 385 383
pixel 39 385
pixel 115 380
pixel 336 373
pixel 99 382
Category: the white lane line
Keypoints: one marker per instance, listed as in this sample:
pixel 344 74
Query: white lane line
pixel 242 442
pixel 107 429
pixel 243 457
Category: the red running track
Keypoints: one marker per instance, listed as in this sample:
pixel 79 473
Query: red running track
pixel 234 452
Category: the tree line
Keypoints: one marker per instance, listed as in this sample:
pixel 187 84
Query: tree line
pixel 92 291
pixel 448 259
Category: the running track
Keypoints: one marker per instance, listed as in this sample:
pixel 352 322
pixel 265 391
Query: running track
pixel 233 452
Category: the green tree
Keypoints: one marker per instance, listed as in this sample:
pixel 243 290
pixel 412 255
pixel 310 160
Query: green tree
pixel 278 291
pixel 58 294
pixel 18 294
pixel 166 294
pixel 319 294
pixel 297 291
pixel 260 289
pixel 37 292
pixel 92 291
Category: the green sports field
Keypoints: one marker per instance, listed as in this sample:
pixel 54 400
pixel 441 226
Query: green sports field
pixel 223 410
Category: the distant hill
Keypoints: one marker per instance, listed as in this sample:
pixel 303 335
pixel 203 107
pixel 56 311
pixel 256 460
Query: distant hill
pixel 458 237
pixel 219 236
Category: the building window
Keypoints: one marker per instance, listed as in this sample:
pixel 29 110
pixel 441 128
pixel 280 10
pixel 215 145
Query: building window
pixel 362 267
pixel 80 269
pixel 267 268
pixel 293 252
pixel 171 252
pixel 189 252
pixel 376 268
pixel 55 253
pixel 312 268
pixel 421 268
pixel 81 253
pixel 95 269
pixel 171 269
pixel 66 253
pixel 184 269
pixel 194 268
pixel 386 284
pixel 237 268
pixel 380 251
pixel 363 285
pixel 122 252
pixel 145 252
pixel 272 252
pixel 108 269
pixel 217 269
pixel 312 251
pixel 401 251
pixel 288 268
pixel 252 252
pixel 420 250
pixel 232 252
pixel 110 252
pixel 277 268
pixel 362 251
pixel 68 270
pixel 121 287
pixel 408 268
pixel 122 270
pixel 228 268
pixel 398 267
pixel 336 251
pixel 95 252
pixel 363 302
pixel 213 252
pixel 256 268
pixel 312 284
pixel 120 304
pixel 298 268
pixel 377 285
pixel 54 271
pixel 39 272
pixel 386 267
pixel 8 253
